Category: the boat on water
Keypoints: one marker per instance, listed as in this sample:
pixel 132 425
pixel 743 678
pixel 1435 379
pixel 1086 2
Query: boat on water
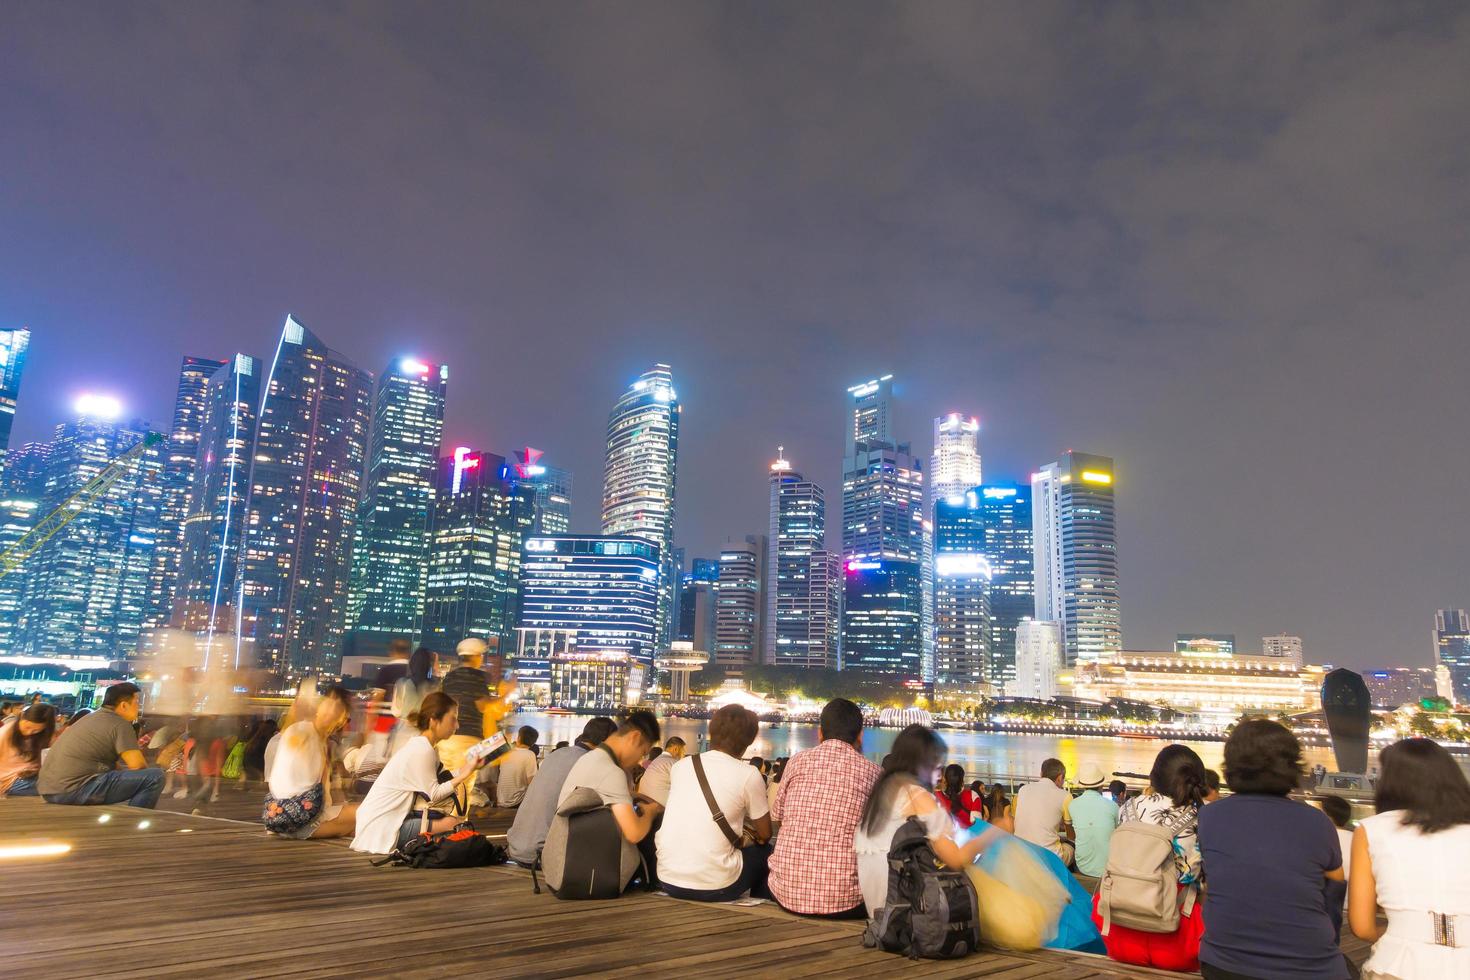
pixel 1140 736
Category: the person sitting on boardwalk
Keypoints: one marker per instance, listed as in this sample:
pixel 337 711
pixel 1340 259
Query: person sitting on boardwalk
pixel 1410 858
pixel 999 810
pixel 901 792
pixel 22 740
pixel 655 781
pixel 1042 811
pixel 1094 817
pixel 538 807
pixel 1272 863
pixel 605 769
pixel 392 814
pixel 1340 812
pixel 82 767
pixel 962 805
pixel 517 769
pixel 703 859
pixel 299 804
pixel 1212 785
pixel 1176 792
pixel 819 801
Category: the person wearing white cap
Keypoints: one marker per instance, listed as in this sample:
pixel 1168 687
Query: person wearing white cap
pixel 470 688
pixel 1094 818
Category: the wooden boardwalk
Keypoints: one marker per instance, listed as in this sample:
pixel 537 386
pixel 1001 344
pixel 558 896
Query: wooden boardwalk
pixel 196 896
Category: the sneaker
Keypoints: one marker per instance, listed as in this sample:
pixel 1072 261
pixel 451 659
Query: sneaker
pixel 181 794
pixel 214 798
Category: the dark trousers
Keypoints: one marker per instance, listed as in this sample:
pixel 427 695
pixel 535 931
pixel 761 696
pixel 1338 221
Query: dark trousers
pixel 753 872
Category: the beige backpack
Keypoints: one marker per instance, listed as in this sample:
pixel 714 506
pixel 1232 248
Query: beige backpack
pixel 1140 888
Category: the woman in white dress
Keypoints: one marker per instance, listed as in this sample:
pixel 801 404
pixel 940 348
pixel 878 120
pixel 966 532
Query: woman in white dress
pixel 1412 859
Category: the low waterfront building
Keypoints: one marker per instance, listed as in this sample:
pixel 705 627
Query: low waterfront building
pixel 1391 687
pixel 595 680
pixel 1218 687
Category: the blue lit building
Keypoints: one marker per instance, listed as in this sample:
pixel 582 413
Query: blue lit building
pixel 480 520
pixel 180 461
pixel 213 530
pixel 962 581
pixel 802 599
pixel 1452 649
pixel 552 491
pixel 882 617
pixel 1075 540
pixel 1006 511
pixel 13 347
pixel 604 589
pixel 697 603
pixel 390 555
pixel 305 486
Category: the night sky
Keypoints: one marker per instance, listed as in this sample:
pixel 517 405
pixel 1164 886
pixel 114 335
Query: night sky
pixel 1227 244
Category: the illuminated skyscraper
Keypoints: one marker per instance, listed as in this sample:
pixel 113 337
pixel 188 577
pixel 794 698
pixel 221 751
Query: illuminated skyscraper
pixel 882 522
pixel 697 596
pixel 1006 509
pixel 639 475
pixel 955 465
pixel 1038 659
pixel 481 519
pixel 18 515
pixel 391 553
pixel 13 347
pixel 802 601
pixel 1076 554
pixel 962 580
pixel 213 531
pixel 305 486
pixel 603 588
pixel 88 584
pixel 739 604
pixel 552 488
pixel 1452 649
pixel 180 461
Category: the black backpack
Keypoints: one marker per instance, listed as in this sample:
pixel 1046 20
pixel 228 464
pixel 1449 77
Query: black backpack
pixel 585 854
pixel 931 911
pixel 461 847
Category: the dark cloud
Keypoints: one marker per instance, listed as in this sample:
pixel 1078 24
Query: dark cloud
pixel 1222 242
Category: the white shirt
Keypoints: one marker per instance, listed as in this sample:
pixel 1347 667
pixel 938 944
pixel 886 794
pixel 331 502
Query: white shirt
pixel 904 801
pixel 1041 808
pixel 693 852
pixel 413 769
pixel 297 765
pixel 655 781
pixel 1416 874
pixel 516 771
pixel 1345 839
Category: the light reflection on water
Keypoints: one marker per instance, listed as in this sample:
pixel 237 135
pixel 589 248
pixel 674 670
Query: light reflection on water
pixel 983 754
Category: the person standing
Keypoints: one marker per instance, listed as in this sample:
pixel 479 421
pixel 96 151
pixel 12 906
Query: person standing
pixel 82 768
pixel 813 868
pixel 1094 818
pixel 1410 859
pixel 1043 811
pixel 469 685
pixel 1274 867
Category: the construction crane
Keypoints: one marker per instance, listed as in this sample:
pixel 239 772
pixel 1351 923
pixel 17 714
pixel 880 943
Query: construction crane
pixel 59 518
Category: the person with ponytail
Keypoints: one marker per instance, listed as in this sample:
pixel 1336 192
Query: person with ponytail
pixel 963 805
pixel 392 814
pixel 1177 787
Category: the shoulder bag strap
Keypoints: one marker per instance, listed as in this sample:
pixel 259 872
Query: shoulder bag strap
pixel 714 808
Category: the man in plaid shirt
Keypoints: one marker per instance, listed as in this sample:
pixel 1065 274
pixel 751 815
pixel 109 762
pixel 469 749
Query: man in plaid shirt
pixel 823 790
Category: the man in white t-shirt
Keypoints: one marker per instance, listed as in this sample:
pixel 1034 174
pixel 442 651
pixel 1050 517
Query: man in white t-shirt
pixel 697 857
pixel 1043 811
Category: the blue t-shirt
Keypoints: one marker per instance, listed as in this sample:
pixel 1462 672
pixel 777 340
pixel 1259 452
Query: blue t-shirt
pixel 1268 910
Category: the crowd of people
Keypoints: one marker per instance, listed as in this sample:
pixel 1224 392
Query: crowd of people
pixel 1266 880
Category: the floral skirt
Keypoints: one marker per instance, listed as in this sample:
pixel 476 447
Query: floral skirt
pixel 295 816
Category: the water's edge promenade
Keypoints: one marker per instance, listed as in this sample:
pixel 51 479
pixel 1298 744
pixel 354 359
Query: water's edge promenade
pixel 194 896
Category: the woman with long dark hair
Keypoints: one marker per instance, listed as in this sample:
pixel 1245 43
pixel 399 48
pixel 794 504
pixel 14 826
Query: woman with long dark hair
pixel 21 743
pixel 900 793
pixel 1410 859
pixel 958 800
pixel 391 815
pixel 1176 791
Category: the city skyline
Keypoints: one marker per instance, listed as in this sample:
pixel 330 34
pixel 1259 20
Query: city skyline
pixel 1253 310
